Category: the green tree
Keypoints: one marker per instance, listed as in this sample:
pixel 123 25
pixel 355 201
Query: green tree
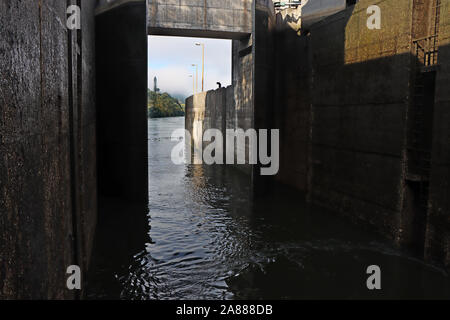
pixel 161 105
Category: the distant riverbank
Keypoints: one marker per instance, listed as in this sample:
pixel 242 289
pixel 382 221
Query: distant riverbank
pixel 163 105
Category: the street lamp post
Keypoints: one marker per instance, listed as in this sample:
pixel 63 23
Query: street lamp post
pixel 203 64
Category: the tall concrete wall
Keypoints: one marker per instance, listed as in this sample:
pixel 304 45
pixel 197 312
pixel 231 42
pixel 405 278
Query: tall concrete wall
pixel 438 231
pixel 243 78
pixel 204 18
pixel 359 98
pixel 47 147
pixel 122 101
pixel 214 109
pixel 85 147
pixel 252 74
pixel 343 102
pixel 292 106
pixel 263 82
pixel 195 116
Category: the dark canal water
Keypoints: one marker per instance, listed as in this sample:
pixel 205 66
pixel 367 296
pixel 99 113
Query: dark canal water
pixel 207 238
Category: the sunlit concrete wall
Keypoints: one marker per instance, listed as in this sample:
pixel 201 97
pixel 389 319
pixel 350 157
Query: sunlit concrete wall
pixel 47 147
pixel 302 17
pixel 313 11
pixel 206 18
pixel 209 110
pixel 195 116
pixel 252 75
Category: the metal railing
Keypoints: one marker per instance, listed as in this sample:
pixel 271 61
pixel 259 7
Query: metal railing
pixel 280 5
pixel 426 50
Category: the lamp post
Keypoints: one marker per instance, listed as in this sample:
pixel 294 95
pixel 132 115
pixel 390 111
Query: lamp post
pixel 203 64
pixel 196 76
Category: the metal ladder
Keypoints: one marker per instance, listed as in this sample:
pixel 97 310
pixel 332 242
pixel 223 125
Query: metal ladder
pixel 426 48
pixel 419 149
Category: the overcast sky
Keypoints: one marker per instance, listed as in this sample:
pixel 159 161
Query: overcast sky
pixel 170 59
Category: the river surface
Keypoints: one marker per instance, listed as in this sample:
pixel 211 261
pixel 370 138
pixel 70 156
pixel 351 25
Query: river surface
pixel 206 237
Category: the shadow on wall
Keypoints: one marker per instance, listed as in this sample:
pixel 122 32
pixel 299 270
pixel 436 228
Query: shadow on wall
pixel 121 50
pixel 293 90
pixel 346 104
pixel 437 246
pixel 121 59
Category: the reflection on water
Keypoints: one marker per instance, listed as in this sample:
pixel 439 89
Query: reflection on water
pixel 208 239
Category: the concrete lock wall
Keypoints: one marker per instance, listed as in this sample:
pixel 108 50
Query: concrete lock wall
pixel 248 101
pixel 242 77
pixel 292 106
pixel 342 96
pixel 214 109
pixel 122 100
pixel 437 245
pixel 341 118
pixel 263 81
pixel 207 18
pixel 47 147
pixel 343 102
pixel 367 172
pixel 209 110
pixel 359 98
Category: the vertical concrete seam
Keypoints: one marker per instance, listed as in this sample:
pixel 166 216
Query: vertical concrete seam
pixel 41 58
pixel 154 12
pixel 398 237
pixel 41 66
pixel 80 220
pixel 205 22
pixel 430 208
pixel 310 167
pixel 72 151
